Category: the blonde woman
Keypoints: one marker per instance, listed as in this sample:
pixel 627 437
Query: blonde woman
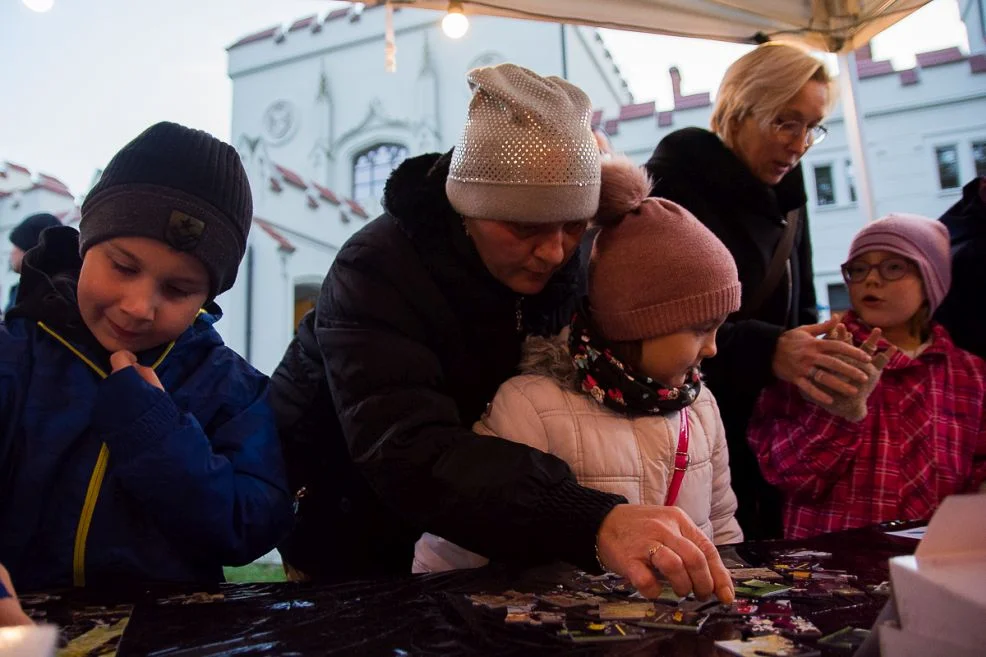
pixel 743 181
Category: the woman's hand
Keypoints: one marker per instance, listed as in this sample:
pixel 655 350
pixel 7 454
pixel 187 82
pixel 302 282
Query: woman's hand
pixel 10 609
pixel 814 365
pixel 637 540
pixel 853 407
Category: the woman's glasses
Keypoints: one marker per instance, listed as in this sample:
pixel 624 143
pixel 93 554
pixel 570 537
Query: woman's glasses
pixel 891 269
pixel 792 130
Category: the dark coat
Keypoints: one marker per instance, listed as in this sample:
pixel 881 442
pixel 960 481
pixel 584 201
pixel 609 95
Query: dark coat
pixel 695 169
pixel 104 477
pixel 963 312
pixel 415 336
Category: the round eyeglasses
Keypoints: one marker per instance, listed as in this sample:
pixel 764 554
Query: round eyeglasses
pixel 793 130
pixel 891 269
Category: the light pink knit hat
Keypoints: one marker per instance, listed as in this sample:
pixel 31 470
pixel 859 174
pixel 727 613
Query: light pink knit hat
pixel 655 269
pixel 527 153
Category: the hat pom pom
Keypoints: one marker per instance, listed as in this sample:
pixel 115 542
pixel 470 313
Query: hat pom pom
pixel 624 186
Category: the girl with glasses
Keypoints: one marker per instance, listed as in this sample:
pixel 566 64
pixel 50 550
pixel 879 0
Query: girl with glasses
pixel 916 431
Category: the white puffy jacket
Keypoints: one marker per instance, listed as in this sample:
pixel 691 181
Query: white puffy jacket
pixel 633 457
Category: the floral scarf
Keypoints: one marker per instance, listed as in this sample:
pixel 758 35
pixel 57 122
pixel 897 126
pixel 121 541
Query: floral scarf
pixel 603 377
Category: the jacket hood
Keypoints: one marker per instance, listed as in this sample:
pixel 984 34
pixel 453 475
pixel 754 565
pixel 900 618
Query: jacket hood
pixel 549 356
pixel 694 152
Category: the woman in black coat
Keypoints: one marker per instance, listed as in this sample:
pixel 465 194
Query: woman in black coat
pixel 743 180
pixel 419 321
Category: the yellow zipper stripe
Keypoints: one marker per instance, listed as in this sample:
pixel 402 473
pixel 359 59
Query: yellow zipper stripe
pixel 82 533
pixel 96 368
pixel 98 471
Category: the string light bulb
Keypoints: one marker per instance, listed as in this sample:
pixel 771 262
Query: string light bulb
pixel 455 24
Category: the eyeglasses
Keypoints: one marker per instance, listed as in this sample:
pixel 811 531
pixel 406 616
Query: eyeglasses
pixel 891 269
pixel 792 130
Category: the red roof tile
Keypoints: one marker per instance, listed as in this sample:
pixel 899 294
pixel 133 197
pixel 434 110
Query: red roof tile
pixel 357 208
pixel 871 69
pixel 612 127
pixel 274 185
pixel 326 193
pixel 291 177
pixel 303 23
pixel 256 36
pixel 978 63
pixel 636 111
pixel 283 243
pixel 692 101
pixel 939 57
pixel 664 119
pixel 5 194
pixel 909 77
pixel 17 167
pixel 54 187
pixel 597 118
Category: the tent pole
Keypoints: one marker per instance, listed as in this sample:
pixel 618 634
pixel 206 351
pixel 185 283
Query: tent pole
pixel 849 88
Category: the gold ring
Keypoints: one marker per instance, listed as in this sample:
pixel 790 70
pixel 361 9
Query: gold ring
pixel 654 549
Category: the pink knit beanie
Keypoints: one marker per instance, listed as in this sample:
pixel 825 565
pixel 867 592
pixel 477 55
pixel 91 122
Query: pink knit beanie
pixel 655 269
pixel 919 239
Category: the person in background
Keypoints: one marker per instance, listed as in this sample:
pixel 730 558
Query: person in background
pixel 619 394
pixel 915 432
pixel 134 445
pixel 963 312
pixel 24 238
pixel 421 317
pixel 743 181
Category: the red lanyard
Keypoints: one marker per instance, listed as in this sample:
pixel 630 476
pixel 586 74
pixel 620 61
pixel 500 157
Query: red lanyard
pixel 681 460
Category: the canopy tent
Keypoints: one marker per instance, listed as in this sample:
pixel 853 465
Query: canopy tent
pixel 836 26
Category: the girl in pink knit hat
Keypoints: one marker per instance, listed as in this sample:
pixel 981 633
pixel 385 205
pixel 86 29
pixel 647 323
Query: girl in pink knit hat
pixel 618 395
pixel 916 431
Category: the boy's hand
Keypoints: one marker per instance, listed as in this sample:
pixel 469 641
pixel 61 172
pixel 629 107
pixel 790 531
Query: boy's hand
pixel 124 359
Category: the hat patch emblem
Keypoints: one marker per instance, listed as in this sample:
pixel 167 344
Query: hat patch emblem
pixel 184 231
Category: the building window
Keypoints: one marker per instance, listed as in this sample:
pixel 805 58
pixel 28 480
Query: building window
pixel 851 180
pixel 948 166
pixel 305 295
pixel 979 157
pixel 838 298
pixel 372 167
pixel 824 190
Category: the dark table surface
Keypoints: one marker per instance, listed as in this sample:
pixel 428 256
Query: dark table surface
pixel 421 615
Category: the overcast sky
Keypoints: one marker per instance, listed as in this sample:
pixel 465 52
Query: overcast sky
pixel 81 80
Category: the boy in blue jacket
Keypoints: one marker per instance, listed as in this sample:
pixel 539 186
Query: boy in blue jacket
pixel 134 445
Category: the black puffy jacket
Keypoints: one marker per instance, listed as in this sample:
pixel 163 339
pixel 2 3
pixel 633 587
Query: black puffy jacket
pixel 963 312
pixel 415 336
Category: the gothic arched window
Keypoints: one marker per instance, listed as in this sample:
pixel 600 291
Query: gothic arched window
pixel 372 167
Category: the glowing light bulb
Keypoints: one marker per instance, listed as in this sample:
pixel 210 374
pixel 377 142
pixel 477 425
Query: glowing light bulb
pixel 455 24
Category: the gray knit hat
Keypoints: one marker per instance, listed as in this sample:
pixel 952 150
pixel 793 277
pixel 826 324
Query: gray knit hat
pixel 527 153
pixel 182 187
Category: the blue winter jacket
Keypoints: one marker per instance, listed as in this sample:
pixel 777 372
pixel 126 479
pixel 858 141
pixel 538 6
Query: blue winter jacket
pixel 105 478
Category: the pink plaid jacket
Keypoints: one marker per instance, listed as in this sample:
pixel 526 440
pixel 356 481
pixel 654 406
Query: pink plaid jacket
pixel 924 438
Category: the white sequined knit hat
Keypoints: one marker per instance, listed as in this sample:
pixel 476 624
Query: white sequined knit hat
pixel 527 153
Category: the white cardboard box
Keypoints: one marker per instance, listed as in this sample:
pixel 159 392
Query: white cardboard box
pixel 940 591
pixel 28 641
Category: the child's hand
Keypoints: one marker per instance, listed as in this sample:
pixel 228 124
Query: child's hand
pixel 10 609
pixel 124 359
pixel 853 407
